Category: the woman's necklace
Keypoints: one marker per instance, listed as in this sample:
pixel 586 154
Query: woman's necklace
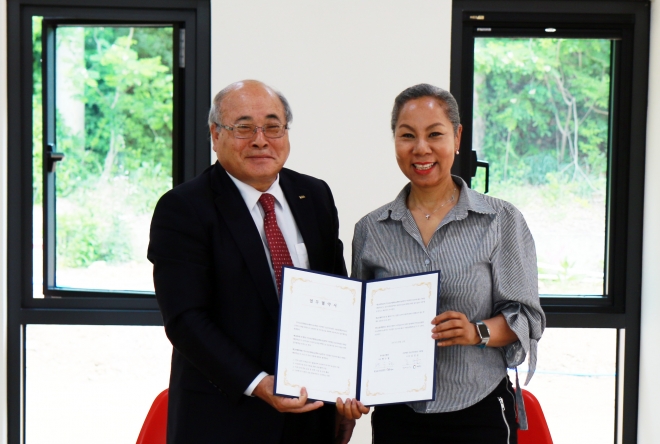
pixel 428 215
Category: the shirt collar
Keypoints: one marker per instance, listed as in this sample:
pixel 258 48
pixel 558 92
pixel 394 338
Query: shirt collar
pixel 251 195
pixel 469 200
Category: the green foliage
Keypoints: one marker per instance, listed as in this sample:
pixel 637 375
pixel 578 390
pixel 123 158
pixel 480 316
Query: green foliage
pixel 114 124
pixel 541 119
pixel 37 124
pixel 542 106
pixel 128 106
pixel 87 235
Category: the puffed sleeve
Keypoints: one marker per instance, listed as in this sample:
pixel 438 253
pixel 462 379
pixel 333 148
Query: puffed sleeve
pixel 515 287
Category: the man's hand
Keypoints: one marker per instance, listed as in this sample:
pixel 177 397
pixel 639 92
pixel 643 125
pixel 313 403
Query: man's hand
pixel 344 429
pixel 453 328
pixel 351 409
pixel 264 390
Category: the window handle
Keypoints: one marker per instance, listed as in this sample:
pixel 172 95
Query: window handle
pixel 484 164
pixel 479 164
pixel 52 157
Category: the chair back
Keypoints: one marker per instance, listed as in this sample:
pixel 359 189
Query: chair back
pixel 154 429
pixel 538 432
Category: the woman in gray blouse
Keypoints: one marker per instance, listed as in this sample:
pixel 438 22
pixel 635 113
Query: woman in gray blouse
pixel 490 318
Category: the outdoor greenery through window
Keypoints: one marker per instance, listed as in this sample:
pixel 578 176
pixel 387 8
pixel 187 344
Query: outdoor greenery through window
pixel 114 125
pixel 541 119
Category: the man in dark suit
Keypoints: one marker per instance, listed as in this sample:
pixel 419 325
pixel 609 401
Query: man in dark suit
pixel 217 257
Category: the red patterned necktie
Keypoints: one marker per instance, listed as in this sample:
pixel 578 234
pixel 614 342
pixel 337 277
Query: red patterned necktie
pixel 279 253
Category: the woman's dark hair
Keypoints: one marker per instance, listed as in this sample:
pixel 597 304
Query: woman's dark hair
pixel 425 90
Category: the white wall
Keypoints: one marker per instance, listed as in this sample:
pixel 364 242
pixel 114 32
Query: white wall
pixel 3 220
pixel 340 64
pixel 649 383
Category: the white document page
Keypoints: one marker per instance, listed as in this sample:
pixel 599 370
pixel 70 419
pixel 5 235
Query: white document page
pixel 319 335
pixel 398 352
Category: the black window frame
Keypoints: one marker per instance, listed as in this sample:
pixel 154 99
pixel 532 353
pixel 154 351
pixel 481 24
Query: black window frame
pixel 49 27
pixel 621 309
pixel 191 156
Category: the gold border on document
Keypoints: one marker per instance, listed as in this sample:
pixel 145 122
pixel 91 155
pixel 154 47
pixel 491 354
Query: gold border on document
pixel 295 280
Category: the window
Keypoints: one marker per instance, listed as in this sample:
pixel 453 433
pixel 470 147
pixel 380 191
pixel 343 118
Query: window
pixel 109 108
pixel 545 108
pixel 575 381
pixel 104 152
pixel 541 119
pixel 104 376
pixel 553 104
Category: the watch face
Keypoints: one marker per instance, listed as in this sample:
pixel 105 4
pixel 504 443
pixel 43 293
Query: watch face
pixel 483 331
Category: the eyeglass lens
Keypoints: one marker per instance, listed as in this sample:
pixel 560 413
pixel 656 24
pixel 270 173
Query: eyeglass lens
pixel 246 131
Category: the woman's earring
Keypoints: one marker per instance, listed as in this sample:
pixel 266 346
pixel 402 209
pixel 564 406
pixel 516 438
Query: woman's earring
pixel 457 153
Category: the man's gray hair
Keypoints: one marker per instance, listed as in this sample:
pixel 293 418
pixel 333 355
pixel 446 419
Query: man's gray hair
pixel 215 113
pixel 445 98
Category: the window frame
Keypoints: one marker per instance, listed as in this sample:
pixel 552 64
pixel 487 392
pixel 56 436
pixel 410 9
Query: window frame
pixel 626 163
pixel 192 156
pixel 191 151
pixel 619 30
pixel 49 27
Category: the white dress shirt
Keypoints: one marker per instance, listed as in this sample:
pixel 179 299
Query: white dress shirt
pixel 288 227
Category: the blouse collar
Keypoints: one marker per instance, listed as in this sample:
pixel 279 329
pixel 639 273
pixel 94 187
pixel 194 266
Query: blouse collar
pixel 469 200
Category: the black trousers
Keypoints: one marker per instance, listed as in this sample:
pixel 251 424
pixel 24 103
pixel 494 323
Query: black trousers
pixel 486 422
pixel 197 417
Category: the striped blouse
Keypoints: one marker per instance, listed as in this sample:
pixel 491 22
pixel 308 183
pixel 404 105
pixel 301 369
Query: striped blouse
pixel 488 262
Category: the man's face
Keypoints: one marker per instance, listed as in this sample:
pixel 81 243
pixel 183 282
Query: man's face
pixel 258 160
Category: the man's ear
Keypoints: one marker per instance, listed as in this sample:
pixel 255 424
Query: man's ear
pixel 215 137
pixel 215 134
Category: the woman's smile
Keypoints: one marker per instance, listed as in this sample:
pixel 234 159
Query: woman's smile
pixel 424 167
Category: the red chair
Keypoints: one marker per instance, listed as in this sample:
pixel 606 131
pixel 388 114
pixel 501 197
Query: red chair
pixel 538 432
pixel 154 429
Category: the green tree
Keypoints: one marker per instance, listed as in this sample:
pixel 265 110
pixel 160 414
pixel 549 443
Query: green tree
pixel 128 108
pixel 122 156
pixel 541 106
pixel 37 124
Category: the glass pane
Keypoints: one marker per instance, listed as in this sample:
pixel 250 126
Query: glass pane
pixel 92 384
pixel 575 383
pixel 114 117
pixel 541 119
pixel 37 162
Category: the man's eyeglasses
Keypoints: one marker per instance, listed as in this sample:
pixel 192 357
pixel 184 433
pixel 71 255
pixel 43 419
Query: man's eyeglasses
pixel 247 130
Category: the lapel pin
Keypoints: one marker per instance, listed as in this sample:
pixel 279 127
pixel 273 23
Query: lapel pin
pixel 302 197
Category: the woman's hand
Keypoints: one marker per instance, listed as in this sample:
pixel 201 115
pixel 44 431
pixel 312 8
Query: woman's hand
pixel 453 328
pixel 351 409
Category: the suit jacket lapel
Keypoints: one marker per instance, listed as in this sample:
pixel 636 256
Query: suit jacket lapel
pixel 236 215
pixel 302 206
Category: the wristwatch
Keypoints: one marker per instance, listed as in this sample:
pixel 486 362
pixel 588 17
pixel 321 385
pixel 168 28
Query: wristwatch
pixel 484 334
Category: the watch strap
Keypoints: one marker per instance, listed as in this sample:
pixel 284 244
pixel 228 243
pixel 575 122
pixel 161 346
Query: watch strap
pixel 484 333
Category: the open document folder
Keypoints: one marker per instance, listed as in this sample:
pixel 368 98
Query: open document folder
pixel 341 337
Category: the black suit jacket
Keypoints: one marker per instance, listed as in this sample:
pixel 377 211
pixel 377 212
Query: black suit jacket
pixel 220 306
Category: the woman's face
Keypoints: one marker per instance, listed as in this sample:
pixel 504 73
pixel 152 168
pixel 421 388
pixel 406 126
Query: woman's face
pixel 425 142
